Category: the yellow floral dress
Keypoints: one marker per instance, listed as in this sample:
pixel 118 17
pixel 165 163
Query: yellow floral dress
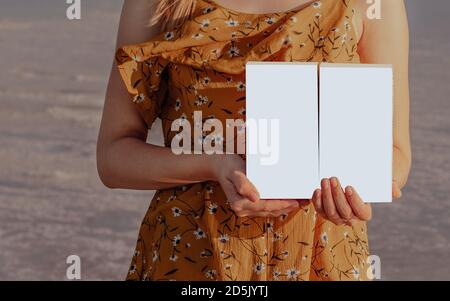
pixel 190 232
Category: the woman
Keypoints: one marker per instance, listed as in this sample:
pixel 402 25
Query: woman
pixel 206 220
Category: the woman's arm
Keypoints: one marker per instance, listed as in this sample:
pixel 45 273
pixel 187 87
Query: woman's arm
pixel 384 41
pixel 126 161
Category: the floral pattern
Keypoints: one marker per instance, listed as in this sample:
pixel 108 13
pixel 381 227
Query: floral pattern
pixel 190 232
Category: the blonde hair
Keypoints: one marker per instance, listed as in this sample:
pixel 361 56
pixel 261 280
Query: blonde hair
pixel 172 13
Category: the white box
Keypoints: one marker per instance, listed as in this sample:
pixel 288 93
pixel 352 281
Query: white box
pixel 286 92
pixel 339 125
pixel 356 121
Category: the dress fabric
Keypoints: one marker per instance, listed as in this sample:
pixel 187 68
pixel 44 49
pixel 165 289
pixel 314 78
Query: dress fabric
pixel 190 232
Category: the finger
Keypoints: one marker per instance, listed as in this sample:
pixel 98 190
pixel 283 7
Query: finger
pixel 250 206
pixel 360 209
pixel 277 205
pixel 317 202
pixel 342 206
pixel 267 207
pixel 396 191
pixel 273 213
pixel 235 200
pixel 282 212
pixel 244 187
pixel 328 203
pixel 258 214
pixel 253 214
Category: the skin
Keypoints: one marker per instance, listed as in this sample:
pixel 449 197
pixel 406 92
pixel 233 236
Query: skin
pixel 126 161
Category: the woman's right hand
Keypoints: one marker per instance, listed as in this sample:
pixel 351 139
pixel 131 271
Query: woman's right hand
pixel 242 195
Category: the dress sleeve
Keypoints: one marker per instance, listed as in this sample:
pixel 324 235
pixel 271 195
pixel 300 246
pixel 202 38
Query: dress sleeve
pixel 145 80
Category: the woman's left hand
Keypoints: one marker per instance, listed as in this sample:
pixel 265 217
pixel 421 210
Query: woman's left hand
pixel 341 206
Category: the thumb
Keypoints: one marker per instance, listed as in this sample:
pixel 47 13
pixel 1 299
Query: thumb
pixel 244 187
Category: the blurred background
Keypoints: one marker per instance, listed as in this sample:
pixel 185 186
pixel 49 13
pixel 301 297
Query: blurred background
pixel 52 83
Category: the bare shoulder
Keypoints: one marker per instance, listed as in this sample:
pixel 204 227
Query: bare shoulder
pixel 377 14
pixel 134 22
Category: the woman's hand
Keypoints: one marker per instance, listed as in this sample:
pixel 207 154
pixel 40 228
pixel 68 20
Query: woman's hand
pixel 341 206
pixel 242 195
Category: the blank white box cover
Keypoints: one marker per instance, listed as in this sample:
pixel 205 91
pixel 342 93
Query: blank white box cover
pixel 356 104
pixel 286 92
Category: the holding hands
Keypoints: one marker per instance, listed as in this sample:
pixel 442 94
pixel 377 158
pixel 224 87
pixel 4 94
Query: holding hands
pixel 242 195
pixel 331 200
pixel 343 206
pixel 340 206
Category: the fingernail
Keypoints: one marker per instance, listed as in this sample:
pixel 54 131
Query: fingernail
pixel 255 197
pixel 334 182
pixel 316 192
pixel 325 183
pixel 349 191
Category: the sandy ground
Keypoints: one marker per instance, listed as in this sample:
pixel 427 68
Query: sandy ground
pixel 52 204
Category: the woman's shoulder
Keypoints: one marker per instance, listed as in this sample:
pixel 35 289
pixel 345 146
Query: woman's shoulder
pixel 382 18
pixel 134 22
pixel 368 11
